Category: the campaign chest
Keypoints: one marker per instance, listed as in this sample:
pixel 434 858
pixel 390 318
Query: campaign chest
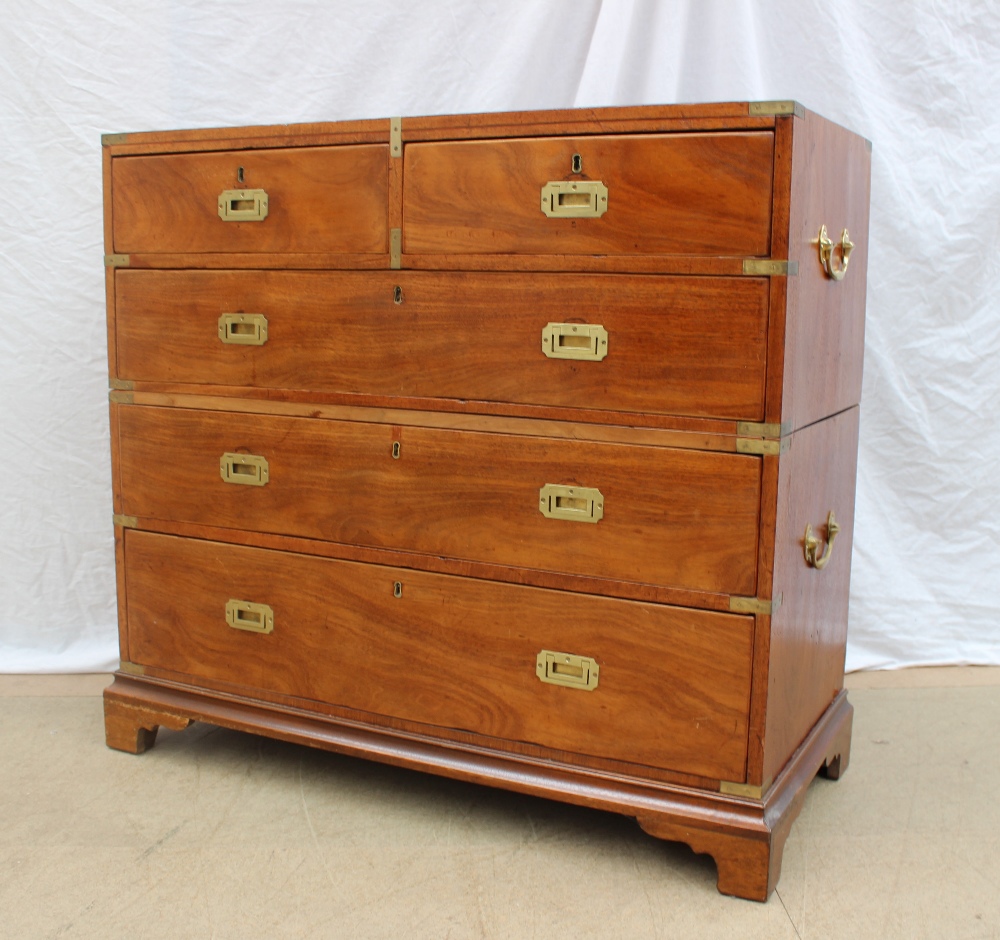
pixel 518 448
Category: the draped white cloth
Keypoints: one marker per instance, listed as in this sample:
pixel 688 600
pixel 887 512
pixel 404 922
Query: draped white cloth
pixel 921 79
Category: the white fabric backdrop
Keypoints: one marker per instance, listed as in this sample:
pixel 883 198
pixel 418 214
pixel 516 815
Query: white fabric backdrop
pixel 921 78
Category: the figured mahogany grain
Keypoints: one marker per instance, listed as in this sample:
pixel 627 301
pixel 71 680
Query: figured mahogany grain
pixel 673 517
pixel 808 634
pixel 452 652
pixel 675 193
pixel 824 333
pixel 691 346
pixel 320 199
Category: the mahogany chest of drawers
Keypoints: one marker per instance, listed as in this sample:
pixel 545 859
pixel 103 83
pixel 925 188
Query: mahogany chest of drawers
pixel 518 448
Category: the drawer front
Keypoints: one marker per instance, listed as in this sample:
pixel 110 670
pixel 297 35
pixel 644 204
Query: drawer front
pixel 456 653
pixel 671 517
pixel 319 199
pixel 691 194
pixel 692 346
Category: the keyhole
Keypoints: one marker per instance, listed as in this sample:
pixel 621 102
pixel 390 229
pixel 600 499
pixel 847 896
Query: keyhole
pixel 397 295
pixel 397 589
pixel 395 450
pixel 239 175
pixel 577 163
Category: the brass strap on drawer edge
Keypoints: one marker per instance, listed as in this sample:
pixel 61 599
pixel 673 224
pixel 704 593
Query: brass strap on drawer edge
pixel 116 261
pixel 755 605
pixel 769 267
pixel 131 669
pixel 395 249
pixel 126 522
pixel 756 445
pixel 109 140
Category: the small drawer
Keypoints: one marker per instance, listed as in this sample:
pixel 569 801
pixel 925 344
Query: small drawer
pixel 310 199
pixel 652 345
pixel 665 687
pixel 670 517
pixel 689 194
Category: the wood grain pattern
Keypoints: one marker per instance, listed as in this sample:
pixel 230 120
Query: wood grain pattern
pixel 684 194
pixel 451 652
pixel 682 518
pixel 808 635
pixel 323 199
pixel 825 319
pixel 692 346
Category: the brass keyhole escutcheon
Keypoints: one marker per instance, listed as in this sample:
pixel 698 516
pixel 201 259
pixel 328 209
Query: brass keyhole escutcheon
pixel 239 175
pixel 395 450
pixel 397 295
pixel 577 163
pixel 397 589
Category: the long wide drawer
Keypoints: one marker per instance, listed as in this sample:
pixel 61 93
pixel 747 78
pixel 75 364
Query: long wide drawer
pixel 688 346
pixel 634 513
pixel 700 194
pixel 310 199
pixel 672 685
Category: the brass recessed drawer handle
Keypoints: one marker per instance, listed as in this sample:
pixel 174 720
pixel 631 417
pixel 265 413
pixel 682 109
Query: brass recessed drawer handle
pixel 243 329
pixel 245 469
pixel 575 341
pixel 826 256
pixel 574 199
pixel 243 205
pixel 567 669
pixel 572 503
pixel 811 544
pixel 246 615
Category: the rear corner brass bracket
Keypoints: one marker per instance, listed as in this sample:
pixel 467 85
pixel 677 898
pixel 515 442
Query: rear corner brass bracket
pixel 109 140
pixel 121 398
pixel 125 385
pixel 746 790
pixel 116 261
pixel 396 137
pixel 126 522
pixel 776 109
pixel 131 669
pixel 395 248
pixel 769 267
pixel 755 605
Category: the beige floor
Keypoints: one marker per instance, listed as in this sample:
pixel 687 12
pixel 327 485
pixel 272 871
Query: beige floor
pixel 217 834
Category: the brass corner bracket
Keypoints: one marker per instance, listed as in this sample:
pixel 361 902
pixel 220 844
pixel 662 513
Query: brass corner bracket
pixel 116 261
pixel 775 109
pixel 769 267
pixel 755 605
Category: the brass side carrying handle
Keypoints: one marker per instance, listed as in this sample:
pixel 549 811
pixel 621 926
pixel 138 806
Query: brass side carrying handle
pixel 574 199
pixel 245 469
pixel 575 341
pixel 246 615
pixel 826 256
pixel 243 205
pixel 243 329
pixel 567 669
pixel 811 544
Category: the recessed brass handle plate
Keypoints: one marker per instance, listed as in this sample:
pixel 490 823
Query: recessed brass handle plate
pixel 827 258
pixel 245 469
pixel 811 544
pixel 573 503
pixel 246 615
pixel 575 341
pixel 567 669
pixel 243 329
pixel 579 199
pixel 243 205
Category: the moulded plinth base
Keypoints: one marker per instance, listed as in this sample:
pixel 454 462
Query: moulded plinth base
pixel 745 836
